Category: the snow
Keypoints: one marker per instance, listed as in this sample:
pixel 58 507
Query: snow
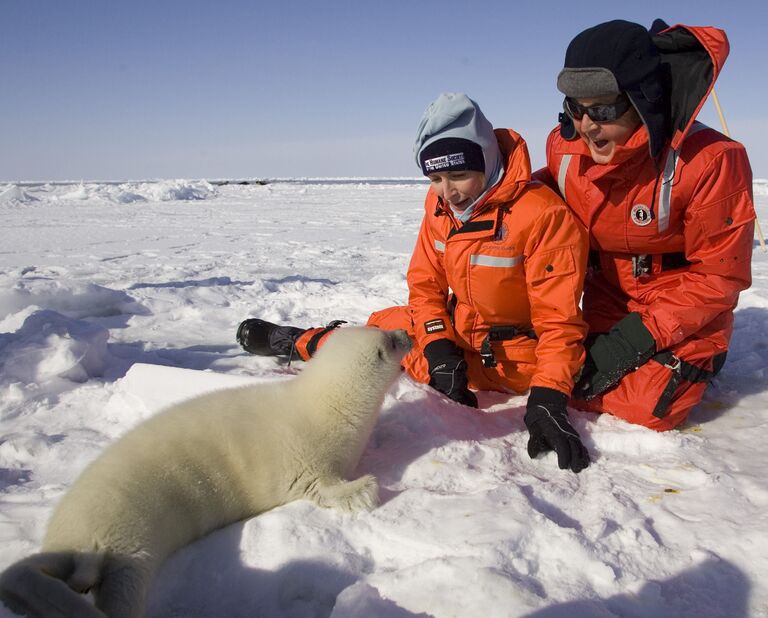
pixel 119 298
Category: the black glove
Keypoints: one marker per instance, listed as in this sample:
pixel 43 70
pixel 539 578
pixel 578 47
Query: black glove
pixel 448 371
pixel 627 346
pixel 549 429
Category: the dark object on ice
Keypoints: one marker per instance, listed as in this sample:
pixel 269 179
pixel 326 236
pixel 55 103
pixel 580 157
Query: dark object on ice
pixel 221 183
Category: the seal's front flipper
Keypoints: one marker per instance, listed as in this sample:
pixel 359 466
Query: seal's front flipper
pixel 362 493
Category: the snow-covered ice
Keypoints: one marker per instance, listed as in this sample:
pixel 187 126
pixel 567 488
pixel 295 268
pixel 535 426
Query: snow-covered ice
pixel 111 293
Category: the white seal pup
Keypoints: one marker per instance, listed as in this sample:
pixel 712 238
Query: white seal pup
pixel 205 463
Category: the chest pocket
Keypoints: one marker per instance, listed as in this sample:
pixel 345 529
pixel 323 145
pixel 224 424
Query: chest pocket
pixel 723 216
pixel 496 282
pixel 552 280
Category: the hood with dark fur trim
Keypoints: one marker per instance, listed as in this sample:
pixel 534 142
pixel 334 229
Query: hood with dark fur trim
pixel 692 58
pixel 667 73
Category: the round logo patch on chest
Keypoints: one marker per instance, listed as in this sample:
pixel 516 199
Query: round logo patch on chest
pixel 641 215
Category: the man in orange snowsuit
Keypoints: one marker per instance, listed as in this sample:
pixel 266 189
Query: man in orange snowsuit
pixel 494 281
pixel 668 205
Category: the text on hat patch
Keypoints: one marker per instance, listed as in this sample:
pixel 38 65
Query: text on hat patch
pixel 446 161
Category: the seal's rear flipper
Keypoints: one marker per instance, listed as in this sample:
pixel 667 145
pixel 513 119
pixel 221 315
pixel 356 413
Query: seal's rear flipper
pixel 36 586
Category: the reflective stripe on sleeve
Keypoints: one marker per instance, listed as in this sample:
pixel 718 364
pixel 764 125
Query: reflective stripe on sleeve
pixel 668 177
pixel 495 261
pixel 565 162
pixel 665 193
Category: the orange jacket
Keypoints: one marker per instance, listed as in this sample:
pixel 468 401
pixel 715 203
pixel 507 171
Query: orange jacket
pixel 519 261
pixel 671 239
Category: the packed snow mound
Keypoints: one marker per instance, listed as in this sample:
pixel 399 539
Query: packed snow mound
pixel 51 345
pixel 130 192
pixel 72 299
pixel 80 192
pixel 168 190
pixel 13 194
pixel 760 186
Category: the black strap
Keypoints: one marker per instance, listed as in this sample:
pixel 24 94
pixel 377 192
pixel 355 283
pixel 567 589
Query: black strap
pixel 673 261
pixel 682 370
pixel 451 306
pixel 472 226
pixel 500 333
pixel 315 340
pixel 674 364
pixel 642 263
pixel 593 261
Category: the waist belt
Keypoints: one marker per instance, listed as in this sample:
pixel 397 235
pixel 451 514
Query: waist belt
pixel 682 370
pixel 642 264
pixel 500 333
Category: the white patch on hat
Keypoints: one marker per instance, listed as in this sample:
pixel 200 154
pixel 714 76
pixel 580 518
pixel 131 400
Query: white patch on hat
pixel 444 162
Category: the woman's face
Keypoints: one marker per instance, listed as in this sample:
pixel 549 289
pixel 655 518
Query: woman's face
pixel 458 189
pixel 603 137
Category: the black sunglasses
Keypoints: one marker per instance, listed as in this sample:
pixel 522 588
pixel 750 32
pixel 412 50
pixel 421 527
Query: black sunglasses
pixel 604 112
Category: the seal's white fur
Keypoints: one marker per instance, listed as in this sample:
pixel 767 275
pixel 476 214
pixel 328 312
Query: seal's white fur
pixel 205 463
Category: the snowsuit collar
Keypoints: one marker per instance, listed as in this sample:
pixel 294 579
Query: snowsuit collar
pixel 636 148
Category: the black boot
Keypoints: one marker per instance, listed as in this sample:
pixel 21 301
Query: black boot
pixel 266 339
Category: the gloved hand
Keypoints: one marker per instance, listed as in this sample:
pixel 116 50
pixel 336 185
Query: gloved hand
pixel 549 429
pixel 448 371
pixel 613 355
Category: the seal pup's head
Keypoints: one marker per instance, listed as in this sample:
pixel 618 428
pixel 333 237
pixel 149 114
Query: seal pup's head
pixel 357 363
pixel 344 385
pixel 362 351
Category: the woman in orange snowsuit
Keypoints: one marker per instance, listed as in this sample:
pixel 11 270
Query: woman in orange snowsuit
pixel 494 281
pixel 504 286
pixel 668 205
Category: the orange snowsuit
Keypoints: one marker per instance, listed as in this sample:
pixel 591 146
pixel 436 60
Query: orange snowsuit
pixel 670 240
pixel 518 265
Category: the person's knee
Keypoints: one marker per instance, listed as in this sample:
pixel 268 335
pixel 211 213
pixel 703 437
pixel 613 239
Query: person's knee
pixel 636 399
pixel 392 318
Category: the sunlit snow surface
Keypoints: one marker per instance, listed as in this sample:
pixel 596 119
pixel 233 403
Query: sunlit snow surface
pixel 101 282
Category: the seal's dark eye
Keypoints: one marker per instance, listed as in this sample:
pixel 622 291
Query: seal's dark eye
pixel 381 354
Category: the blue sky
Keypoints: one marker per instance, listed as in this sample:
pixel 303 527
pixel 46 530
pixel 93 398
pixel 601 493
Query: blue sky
pixel 101 90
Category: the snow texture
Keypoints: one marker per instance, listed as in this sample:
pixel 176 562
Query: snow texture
pixel 119 298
